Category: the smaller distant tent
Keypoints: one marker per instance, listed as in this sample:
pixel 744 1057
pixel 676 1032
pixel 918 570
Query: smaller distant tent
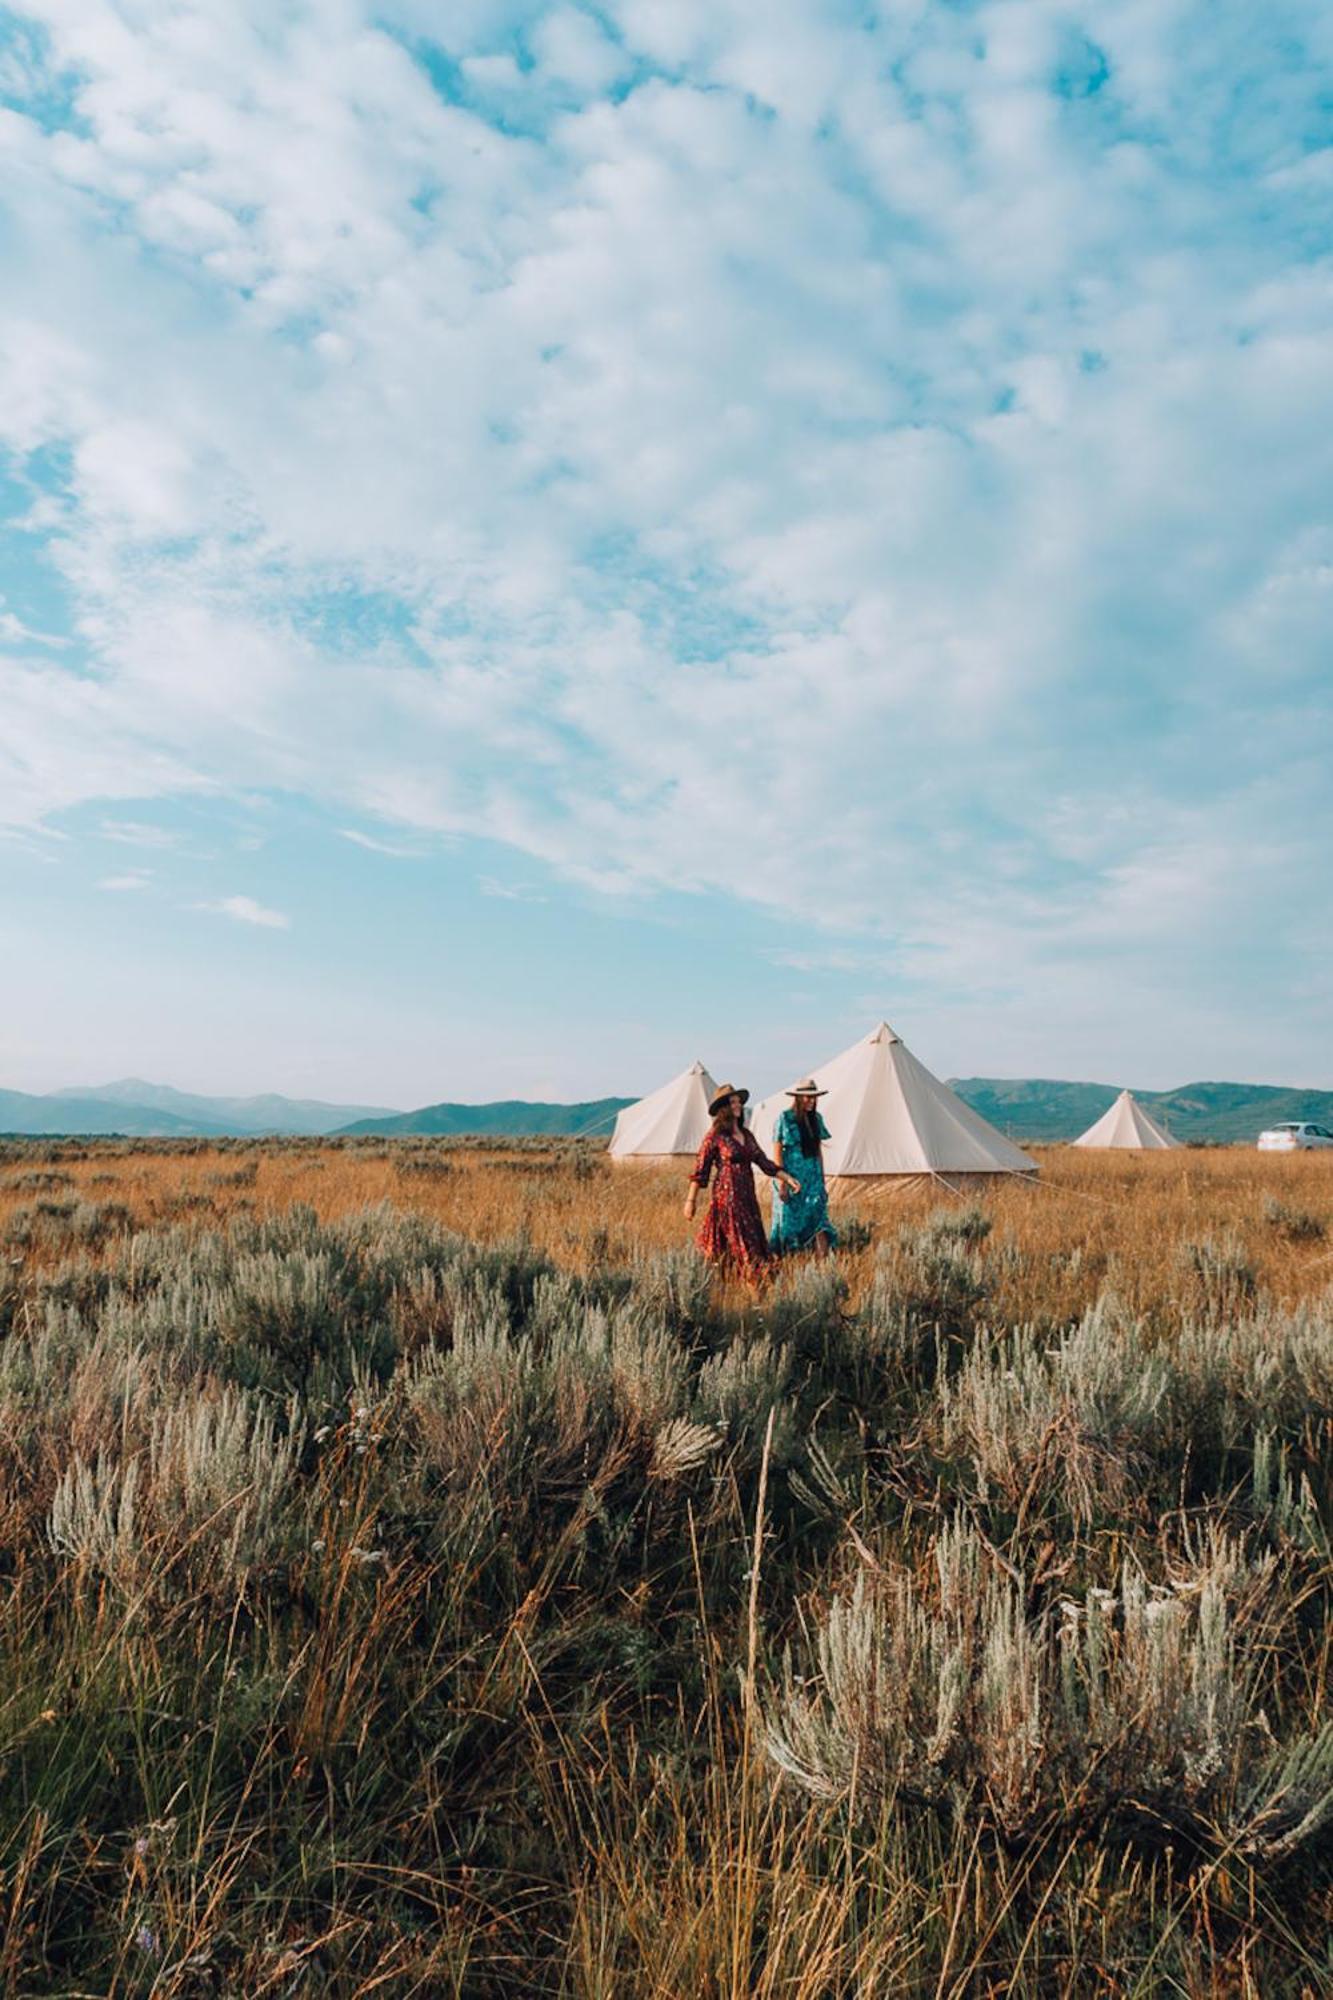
pixel 1128 1127
pixel 669 1124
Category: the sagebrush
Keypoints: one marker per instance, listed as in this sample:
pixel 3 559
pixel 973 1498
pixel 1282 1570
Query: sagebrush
pixel 418 1576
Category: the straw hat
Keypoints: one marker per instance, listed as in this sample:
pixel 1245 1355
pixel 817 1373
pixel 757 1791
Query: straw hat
pixel 807 1089
pixel 722 1093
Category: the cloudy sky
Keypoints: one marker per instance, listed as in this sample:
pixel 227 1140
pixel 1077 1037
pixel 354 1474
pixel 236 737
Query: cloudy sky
pixel 541 541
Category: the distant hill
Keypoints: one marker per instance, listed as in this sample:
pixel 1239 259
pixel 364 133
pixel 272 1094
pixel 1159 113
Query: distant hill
pixel 1035 1107
pixel 56 1117
pixel 511 1118
pixel 1026 1108
pixel 1215 1114
pixel 143 1110
pixel 236 1115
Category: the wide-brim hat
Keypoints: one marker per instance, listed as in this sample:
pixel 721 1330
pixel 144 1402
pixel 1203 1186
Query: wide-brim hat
pixel 722 1093
pixel 807 1089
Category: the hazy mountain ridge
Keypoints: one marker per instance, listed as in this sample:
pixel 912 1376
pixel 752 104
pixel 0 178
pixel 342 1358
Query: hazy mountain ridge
pixel 1025 1108
pixel 142 1110
pixel 509 1117
pixel 268 1112
pixel 1219 1114
pixel 54 1117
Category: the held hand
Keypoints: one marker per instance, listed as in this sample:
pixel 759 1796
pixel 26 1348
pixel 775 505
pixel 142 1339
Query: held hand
pixel 789 1184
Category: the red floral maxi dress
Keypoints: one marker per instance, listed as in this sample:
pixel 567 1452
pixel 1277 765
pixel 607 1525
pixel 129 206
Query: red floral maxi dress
pixel 732 1232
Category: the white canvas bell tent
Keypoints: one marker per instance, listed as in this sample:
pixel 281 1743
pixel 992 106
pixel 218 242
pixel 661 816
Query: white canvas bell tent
pixel 1128 1127
pixel 668 1124
pixel 891 1122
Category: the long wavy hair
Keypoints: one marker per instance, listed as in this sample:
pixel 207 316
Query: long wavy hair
pixel 807 1124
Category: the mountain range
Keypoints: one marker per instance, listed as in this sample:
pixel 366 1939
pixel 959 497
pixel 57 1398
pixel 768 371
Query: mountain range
pixel 507 1118
pixel 1027 1108
pixel 155 1111
pixel 1215 1114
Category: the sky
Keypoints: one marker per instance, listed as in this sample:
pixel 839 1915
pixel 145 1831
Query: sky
pixel 543 541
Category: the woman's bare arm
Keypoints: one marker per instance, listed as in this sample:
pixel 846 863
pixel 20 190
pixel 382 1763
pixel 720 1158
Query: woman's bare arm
pixel 774 1169
pixel 703 1169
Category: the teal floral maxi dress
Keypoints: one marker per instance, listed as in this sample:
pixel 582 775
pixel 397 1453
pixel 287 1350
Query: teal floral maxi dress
pixel 803 1216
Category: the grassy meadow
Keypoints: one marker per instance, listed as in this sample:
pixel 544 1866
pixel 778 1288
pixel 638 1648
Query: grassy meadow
pixel 418 1577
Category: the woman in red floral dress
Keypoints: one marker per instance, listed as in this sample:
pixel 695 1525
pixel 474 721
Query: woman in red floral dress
pixel 732 1233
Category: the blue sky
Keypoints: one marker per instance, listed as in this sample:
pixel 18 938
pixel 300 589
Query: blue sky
pixel 541 541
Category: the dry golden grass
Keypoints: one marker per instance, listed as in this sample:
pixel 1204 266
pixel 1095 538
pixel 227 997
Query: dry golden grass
pixel 1088 1221
pixel 501 1614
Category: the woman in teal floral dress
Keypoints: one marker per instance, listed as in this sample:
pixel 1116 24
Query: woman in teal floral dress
pixel 801 1221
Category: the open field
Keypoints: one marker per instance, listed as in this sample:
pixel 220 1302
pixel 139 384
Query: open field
pixel 416 1578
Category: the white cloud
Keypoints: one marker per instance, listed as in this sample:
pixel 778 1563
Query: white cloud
pixel 137 833
pixel 392 848
pixel 69 739
pixel 851 469
pixel 509 892
pixel 35 842
pixel 245 910
pixel 14 632
pixel 572 47
pixel 124 884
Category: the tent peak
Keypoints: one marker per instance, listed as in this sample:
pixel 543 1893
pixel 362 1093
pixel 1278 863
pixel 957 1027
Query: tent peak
pixel 884 1033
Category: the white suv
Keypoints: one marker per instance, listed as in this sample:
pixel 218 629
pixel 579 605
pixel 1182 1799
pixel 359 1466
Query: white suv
pixel 1294 1138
